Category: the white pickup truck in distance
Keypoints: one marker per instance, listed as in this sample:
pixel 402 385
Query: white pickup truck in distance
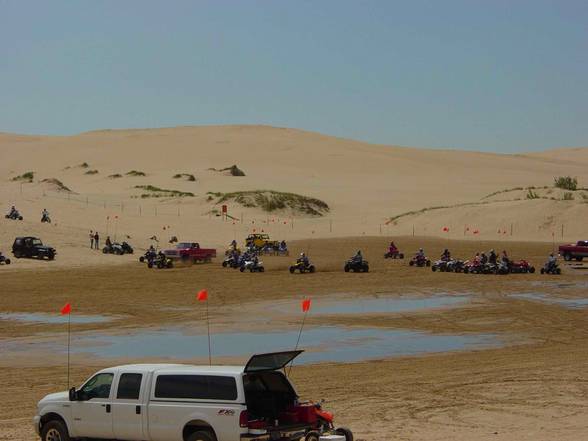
pixel 174 402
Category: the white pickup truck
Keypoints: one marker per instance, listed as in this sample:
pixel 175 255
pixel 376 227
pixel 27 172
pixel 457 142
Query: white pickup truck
pixel 174 402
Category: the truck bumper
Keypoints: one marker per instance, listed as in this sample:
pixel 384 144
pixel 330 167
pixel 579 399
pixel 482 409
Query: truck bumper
pixel 250 437
pixel 36 423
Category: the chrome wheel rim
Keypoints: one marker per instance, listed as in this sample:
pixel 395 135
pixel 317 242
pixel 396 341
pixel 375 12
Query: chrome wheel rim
pixel 53 435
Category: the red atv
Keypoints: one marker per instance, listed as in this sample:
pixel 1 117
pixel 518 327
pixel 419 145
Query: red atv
pixel 393 254
pixel 419 261
pixel 521 266
pixel 320 421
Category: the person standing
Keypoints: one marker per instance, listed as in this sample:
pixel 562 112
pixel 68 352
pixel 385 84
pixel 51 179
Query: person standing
pixel 91 240
pixel 96 240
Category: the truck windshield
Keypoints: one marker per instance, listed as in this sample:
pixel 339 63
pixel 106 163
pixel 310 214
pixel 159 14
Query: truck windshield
pixel 185 245
pixel 37 242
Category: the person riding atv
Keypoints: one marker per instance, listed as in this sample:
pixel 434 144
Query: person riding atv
pixel 13 214
pixel 160 261
pixel 149 255
pixel 393 252
pixel 302 264
pixel 45 216
pixel 483 259
pixel 492 257
pixel 446 256
pixel 3 259
pixel 551 266
pixel 357 264
pixel 420 259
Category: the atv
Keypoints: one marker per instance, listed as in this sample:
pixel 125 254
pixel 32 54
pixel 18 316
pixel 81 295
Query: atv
pixel 118 248
pixel 15 215
pixel 357 266
pixel 160 261
pixel 394 255
pixel 551 268
pixel 302 267
pixel 323 426
pixel 455 266
pixel 473 267
pixel 4 260
pixel 148 256
pixel 231 262
pixel 419 261
pixel 252 265
pixel 441 265
pixel 521 266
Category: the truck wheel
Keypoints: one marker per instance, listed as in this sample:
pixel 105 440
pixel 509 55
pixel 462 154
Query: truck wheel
pixel 579 258
pixel 567 257
pixel 202 435
pixel 54 431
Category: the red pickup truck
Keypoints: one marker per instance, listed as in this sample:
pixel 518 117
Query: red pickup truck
pixel 191 251
pixel 577 251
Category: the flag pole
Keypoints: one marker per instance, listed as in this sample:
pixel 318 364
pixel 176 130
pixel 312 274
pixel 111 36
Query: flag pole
pixel 208 331
pixel 306 309
pixel 68 345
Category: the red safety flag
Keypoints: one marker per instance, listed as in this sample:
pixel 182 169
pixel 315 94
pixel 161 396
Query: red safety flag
pixel 476 231
pixel 446 229
pixel 66 309
pixel 305 305
pixel 202 296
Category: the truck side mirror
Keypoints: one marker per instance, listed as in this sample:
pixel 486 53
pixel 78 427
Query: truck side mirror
pixel 72 394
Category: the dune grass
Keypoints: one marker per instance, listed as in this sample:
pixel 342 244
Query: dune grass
pixel 233 170
pixel 187 176
pixel 91 172
pixel 271 200
pixel 115 176
pixel 25 177
pixel 57 184
pixel 156 192
pixel 135 173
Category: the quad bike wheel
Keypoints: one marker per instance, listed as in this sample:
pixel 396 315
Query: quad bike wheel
pixel 433 268
pixel 292 269
pixel 532 270
pixel 366 269
pixel 242 269
pixel 558 271
pixel 261 269
pixel 312 269
pixel 149 264
pixel 312 436
pixel 7 261
pixel 411 263
pixel 542 270
pixel 142 259
pixel 345 432
pixel 159 265
pixel 428 263
pixel 346 268
pixel 225 264
pixel 170 264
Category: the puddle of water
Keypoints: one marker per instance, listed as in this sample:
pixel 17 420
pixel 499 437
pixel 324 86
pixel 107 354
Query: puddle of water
pixel 30 317
pixel 383 305
pixel 327 343
pixel 568 303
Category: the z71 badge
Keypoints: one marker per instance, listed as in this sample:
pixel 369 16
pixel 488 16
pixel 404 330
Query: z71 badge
pixel 227 412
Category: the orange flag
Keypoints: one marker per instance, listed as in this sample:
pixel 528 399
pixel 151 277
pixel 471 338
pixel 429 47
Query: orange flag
pixel 202 296
pixel 66 309
pixel 306 305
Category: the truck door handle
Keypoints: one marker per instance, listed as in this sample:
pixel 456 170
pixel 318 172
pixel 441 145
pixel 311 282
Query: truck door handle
pixel 138 410
pixel 108 408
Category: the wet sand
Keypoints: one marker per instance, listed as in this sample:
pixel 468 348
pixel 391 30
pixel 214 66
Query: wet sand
pixel 534 388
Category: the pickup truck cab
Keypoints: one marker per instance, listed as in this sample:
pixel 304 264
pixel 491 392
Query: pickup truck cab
pixel 191 251
pixel 174 402
pixel 577 251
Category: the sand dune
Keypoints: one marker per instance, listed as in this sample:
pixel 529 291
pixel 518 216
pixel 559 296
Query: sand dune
pixel 363 184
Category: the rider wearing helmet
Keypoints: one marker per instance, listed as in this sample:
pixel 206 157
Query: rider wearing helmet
pixel 446 256
pixel 303 259
pixel 358 258
pixel 492 257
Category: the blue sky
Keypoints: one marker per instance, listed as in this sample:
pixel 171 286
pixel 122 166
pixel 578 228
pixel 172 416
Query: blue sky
pixel 494 75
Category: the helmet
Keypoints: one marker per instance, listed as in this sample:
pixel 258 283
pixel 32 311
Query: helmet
pixel 492 250
pixel 301 254
pixel 420 249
